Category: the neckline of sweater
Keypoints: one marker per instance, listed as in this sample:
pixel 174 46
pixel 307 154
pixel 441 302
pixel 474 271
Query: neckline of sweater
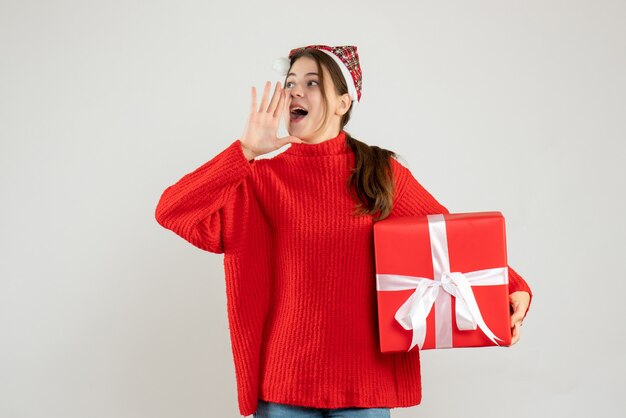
pixel 336 145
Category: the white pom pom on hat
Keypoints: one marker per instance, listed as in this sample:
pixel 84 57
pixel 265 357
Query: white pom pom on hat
pixel 281 65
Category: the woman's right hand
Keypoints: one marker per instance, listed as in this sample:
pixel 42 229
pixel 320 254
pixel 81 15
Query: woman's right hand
pixel 260 137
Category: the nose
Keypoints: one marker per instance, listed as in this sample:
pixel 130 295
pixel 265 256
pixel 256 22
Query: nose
pixel 296 90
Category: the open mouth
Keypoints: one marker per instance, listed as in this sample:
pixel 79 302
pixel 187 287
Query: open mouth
pixel 298 114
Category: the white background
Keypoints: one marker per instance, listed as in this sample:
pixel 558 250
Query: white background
pixel 516 106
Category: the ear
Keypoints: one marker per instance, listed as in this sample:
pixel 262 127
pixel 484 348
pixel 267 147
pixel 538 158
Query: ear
pixel 344 104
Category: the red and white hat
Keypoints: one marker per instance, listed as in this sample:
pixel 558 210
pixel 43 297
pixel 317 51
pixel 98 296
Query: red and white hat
pixel 345 56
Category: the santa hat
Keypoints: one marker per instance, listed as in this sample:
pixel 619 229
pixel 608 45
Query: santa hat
pixel 345 56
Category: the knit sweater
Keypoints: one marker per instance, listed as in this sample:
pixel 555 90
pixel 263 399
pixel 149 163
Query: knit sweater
pixel 300 274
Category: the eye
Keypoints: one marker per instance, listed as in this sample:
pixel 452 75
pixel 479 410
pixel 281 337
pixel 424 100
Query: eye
pixel 289 84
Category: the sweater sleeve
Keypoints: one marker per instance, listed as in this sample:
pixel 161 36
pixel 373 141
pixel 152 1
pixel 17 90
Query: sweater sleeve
pixel 207 207
pixel 412 199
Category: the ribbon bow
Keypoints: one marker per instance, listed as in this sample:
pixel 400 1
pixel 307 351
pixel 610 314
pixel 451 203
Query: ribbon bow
pixel 413 313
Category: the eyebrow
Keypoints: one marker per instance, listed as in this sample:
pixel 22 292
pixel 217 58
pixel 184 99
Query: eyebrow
pixel 304 75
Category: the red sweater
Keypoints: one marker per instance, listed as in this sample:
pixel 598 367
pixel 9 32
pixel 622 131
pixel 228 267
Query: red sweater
pixel 300 274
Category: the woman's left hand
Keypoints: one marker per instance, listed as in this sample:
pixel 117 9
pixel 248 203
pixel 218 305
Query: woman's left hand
pixel 519 304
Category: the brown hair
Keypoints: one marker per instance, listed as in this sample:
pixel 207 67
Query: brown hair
pixel 371 183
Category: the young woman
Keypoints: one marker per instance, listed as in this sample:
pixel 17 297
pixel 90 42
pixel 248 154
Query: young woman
pixel 296 234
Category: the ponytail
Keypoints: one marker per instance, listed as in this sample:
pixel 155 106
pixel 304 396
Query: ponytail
pixel 371 183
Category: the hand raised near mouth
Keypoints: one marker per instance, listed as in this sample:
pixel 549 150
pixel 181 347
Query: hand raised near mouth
pixel 260 135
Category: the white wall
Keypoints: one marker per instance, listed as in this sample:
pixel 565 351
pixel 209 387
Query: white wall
pixel 515 106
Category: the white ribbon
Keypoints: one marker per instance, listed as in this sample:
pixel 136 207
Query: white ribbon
pixel 413 313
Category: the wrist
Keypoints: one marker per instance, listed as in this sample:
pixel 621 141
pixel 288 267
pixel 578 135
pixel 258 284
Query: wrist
pixel 248 153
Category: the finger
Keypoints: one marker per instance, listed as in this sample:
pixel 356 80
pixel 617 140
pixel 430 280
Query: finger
pixel 515 334
pixel 279 105
pixel 289 139
pixel 286 104
pixel 517 316
pixel 275 99
pixel 253 99
pixel 283 104
pixel 266 93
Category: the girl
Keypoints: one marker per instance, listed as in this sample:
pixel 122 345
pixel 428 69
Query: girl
pixel 296 234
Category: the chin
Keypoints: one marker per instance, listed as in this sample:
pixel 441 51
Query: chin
pixel 297 131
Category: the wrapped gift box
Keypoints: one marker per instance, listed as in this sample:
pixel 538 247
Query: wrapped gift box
pixel 442 281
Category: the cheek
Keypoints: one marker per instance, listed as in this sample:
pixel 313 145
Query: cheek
pixel 317 107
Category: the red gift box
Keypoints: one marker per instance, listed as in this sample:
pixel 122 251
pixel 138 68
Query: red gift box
pixel 442 281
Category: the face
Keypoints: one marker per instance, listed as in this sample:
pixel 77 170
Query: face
pixel 303 85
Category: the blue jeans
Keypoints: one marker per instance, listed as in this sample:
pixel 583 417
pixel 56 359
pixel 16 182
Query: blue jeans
pixel 278 410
